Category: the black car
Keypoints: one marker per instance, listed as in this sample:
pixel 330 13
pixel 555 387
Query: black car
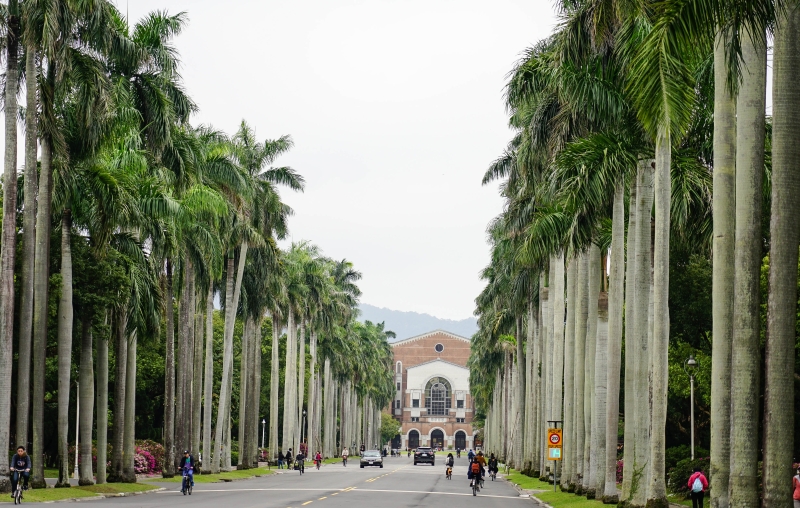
pixel 424 456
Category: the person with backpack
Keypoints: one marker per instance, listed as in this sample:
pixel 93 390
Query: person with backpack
pixel 698 484
pixel 796 489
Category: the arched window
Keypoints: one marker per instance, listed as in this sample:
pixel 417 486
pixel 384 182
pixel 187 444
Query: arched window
pixel 437 396
pixel 399 367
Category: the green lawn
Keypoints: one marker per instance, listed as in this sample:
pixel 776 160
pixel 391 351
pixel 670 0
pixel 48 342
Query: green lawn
pixel 215 478
pixel 566 500
pixel 526 482
pixel 678 499
pixel 51 494
pixel 50 473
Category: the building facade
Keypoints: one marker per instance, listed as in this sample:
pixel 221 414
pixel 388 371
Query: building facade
pixel 432 401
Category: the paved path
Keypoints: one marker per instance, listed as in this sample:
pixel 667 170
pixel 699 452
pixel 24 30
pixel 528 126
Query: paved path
pixel 398 484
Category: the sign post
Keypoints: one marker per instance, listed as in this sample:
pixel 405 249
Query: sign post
pixel 554 445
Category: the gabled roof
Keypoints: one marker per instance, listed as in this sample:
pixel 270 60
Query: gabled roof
pixel 428 334
pixel 437 360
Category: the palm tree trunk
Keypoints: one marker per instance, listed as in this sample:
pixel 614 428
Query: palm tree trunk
pixel 657 491
pixel 641 358
pixel 312 394
pixel 781 317
pixel 274 387
pixel 746 360
pixel 208 378
pixel 227 352
pixel 197 371
pixel 102 408
pixel 530 408
pixel 328 431
pixel 31 186
pixel 86 397
pixel 121 363
pixel 41 278
pixel 186 306
pixel 590 462
pixel 168 471
pixel 290 384
pixel 244 365
pixel 519 397
pixel 9 233
pixel 65 318
pixel 723 274
pixel 568 358
pixel 608 488
pixel 256 389
pixel 128 472
pixel 301 380
pixel 581 313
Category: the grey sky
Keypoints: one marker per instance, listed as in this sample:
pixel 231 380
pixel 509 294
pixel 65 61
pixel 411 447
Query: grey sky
pixel 396 110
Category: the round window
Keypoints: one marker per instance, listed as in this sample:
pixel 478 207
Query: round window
pixel 439 348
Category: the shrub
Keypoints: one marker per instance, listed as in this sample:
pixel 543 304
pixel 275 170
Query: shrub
pixel 678 453
pixel 678 476
pixel 155 450
pixel 619 471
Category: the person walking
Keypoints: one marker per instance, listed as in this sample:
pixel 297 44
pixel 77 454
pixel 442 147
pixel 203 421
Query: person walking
pixel 796 489
pixel 345 454
pixel 698 484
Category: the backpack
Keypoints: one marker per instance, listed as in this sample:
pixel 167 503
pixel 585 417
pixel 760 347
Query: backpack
pixel 476 468
pixel 697 485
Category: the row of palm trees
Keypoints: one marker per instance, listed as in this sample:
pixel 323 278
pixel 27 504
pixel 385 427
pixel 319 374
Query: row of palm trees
pixel 155 220
pixel 657 107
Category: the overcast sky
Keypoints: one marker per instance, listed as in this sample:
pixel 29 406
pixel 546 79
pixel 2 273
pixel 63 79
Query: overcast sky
pixel 396 110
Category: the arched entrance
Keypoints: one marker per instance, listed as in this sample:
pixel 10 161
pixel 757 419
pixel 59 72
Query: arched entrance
pixel 437 438
pixel 396 442
pixel 461 440
pixel 413 440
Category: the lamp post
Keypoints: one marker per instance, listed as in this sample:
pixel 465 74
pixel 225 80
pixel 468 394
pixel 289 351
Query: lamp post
pixel 688 366
pixel 263 430
pixel 302 428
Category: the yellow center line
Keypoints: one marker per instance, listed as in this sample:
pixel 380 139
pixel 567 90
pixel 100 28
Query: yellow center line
pixel 334 493
pixel 323 497
pixel 307 502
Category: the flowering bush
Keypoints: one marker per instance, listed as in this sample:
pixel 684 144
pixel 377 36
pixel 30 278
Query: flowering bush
pixel 154 452
pixel 619 471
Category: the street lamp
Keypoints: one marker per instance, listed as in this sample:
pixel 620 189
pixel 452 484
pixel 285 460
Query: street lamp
pixel 302 428
pixel 263 431
pixel 688 366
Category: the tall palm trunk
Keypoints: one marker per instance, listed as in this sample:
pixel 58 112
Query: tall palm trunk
pixel 569 355
pixel 657 491
pixel 274 387
pixel 529 409
pixel 9 234
pixel 183 412
pixel 781 317
pixel 609 491
pixel 121 364
pixel 197 379
pixel 722 278
pixel 557 285
pixel 244 365
pixel 312 395
pixel 169 378
pixel 579 369
pixel 102 408
pixel 128 472
pixel 290 385
pixel 255 389
pixel 637 457
pixel 86 398
pixel 745 383
pixel 41 277
pixel 328 431
pixel 208 378
pixel 589 479
pixel 301 380
pixel 28 250
pixel 65 318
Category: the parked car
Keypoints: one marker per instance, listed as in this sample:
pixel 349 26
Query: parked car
pixel 424 456
pixel 371 458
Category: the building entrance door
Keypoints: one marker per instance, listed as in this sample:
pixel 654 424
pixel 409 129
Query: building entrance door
pixel 413 440
pixel 437 439
pixel 396 442
pixel 461 440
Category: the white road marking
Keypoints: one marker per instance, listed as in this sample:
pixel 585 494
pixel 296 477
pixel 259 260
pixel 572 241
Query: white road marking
pixel 429 492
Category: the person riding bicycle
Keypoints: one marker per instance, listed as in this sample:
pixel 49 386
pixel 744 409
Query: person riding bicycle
pixel 448 462
pixel 187 465
pixel 318 459
pixel 21 462
pixel 300 461
pixel 470 455
pixel 493 464
pixel 480 459
pixel 345 454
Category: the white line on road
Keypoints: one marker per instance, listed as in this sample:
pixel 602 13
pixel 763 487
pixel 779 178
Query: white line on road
pixel 428 492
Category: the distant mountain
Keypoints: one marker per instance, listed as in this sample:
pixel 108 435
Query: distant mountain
pixel 409 324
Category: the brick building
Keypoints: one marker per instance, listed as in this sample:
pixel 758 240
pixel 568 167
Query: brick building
pixel 433 402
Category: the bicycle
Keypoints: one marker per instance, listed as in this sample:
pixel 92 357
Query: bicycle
pixel 186 484
pixel 319 463
pixel 344 460
pixel 18 491
pixel 449 473
pixel 492 474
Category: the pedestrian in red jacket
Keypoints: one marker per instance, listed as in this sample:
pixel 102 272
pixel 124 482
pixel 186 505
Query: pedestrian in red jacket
pixel 796 489
pixel 698 484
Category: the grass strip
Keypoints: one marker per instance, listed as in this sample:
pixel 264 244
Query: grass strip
pixel 220 477
pixel 117 488
pixel 50 494
pixel 526 482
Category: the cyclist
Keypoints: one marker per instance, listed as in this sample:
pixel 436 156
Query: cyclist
pixel 449 463
pixel 493 464
pixel 21 462
pixel 318 459
pixel 187 465
pixel 345 454
pixel 470 455
pixel 300 461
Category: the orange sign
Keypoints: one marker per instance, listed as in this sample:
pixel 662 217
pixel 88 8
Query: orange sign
pixel 554 438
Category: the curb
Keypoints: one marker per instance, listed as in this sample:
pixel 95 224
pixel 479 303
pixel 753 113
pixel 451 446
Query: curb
pixel 100 497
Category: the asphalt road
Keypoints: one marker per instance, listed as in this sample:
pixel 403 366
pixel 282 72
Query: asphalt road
pixel 398 484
